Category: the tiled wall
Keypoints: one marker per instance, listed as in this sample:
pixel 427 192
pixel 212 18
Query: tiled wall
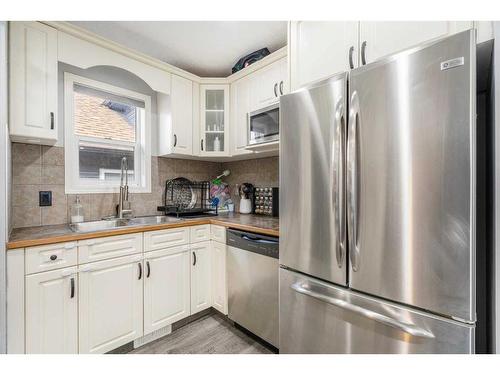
pixel 36 168
pixel 262 172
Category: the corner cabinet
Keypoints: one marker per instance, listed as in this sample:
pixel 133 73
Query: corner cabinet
pixel 33 83
pixel 214 113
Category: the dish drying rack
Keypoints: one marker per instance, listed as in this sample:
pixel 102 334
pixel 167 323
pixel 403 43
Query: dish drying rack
pixel 184 197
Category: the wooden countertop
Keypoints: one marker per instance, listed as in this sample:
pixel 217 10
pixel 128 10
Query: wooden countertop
pixel 49 234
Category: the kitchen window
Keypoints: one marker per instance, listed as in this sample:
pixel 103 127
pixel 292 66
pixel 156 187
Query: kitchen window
pixel 103 124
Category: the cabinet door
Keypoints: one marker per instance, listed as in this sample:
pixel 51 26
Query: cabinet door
pixel 219 286
pixel 52 312
pixel 214 120
pixel 321 49
pixel 384 38
pixel 110 304
pixel 265 86
pixel 240 105
pixel 201 286
pixel 284 87
pixel 182 115
pixel 166 287
pixel 33 82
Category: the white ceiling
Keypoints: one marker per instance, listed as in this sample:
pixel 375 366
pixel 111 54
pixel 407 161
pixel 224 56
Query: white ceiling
pixel 205 48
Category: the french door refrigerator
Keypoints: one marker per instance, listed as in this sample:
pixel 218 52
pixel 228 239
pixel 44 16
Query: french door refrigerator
pixel 377 211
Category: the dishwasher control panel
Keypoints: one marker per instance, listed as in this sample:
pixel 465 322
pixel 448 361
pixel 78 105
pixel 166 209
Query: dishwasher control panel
pixel 256 243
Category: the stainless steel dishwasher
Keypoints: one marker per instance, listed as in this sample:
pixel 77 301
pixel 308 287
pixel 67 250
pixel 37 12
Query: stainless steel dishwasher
pixel 253 291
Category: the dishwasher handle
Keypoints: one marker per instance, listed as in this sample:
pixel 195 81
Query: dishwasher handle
pixel 257 240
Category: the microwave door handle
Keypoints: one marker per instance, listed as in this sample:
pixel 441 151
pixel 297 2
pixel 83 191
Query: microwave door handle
pixel 308 288
pixel 338 182
pixel 353 181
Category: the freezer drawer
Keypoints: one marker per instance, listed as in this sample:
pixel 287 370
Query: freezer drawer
pixel 316 317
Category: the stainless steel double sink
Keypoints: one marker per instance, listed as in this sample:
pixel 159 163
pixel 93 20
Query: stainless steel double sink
pixel 115 223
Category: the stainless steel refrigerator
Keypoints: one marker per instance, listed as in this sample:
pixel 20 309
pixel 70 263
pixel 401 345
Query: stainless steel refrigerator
pixel 377 206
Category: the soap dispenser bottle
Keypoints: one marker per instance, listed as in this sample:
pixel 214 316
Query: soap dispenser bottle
pixel 77 211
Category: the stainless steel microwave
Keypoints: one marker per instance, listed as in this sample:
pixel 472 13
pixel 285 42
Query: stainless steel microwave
pixel 263 125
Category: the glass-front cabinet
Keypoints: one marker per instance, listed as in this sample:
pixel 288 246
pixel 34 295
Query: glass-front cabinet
pixel 214 113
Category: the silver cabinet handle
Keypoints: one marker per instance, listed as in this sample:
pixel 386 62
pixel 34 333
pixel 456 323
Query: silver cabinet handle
pixel 351 62
pixel 363 53
pixel 308 289
pixel 275 88
pixel 175 140
pixel 281 87
pixel 353 181
pixel 52 120
pixel 338 191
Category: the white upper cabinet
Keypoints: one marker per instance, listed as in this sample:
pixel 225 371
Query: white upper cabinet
pixel 214 120
pixel 110 304
pixel 166 287
pixel 52 312
pixel 201 285
pixel 320 49
pixel 378 39
pixel 176 130
pixel 268 84
pixel 240 105
pixel 33 83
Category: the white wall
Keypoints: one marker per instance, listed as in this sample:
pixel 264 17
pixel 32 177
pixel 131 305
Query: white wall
pixel 496 171
pixel 4 181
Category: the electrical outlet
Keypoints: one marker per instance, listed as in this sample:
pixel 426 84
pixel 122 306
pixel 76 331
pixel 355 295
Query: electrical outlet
pixel 45 198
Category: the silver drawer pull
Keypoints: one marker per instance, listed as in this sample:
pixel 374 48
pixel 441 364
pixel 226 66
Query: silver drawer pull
pixel 307 289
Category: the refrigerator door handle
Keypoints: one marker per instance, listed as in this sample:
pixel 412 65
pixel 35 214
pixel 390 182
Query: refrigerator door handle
pixel 338 156
pixel 353 181
pixel 307 288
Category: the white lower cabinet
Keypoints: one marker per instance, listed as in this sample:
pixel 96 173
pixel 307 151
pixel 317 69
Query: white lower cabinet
pixel 201 289
pixel 166 287
pixel 110 304
pixel 98 306
pixel 219 285
pixel 52 312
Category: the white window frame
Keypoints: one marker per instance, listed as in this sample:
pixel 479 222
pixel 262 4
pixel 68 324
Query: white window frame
pixel 142 155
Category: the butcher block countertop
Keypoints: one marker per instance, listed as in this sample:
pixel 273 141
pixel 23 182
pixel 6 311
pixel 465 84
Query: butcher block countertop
pixel 49 234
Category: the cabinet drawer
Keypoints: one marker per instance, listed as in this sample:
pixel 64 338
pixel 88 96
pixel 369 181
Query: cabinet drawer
pixel 50 257
pixel 109 247
pixel 218 233
pixel 200 233
pixel 165 238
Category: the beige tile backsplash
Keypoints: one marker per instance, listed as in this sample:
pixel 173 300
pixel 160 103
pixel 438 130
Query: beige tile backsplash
pixel 37 168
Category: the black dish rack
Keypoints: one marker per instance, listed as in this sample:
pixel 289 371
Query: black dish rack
pixel 184 197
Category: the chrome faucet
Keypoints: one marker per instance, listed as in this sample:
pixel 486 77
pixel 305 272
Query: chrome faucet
pixel 123 209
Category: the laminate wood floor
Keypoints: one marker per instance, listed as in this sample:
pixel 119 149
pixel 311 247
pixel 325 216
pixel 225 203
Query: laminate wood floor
pixel 211 334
